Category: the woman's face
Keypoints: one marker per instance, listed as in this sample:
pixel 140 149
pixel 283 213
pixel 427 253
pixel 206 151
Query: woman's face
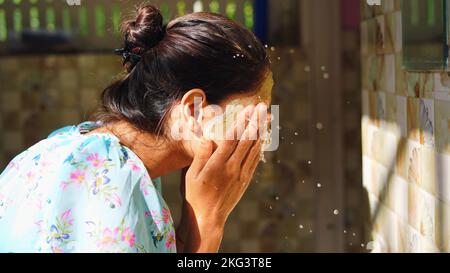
pixel 218 121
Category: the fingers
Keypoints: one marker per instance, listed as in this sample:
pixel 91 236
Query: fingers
pixel 201 157
pixel 250 135
pixel 247 140
pixel 227 146
pixel 252 160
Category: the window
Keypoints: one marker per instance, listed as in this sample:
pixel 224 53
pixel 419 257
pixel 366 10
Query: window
pixel 425 38
pixel 63 26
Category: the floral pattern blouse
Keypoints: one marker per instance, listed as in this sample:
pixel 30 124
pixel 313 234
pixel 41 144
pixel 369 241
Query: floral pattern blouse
pixel 82 193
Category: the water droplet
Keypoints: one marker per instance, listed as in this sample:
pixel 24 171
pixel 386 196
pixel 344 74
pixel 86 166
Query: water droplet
pixel 319 126
pixel 278 161
pixel 319 185
pixel 293 214
pixel 279 58
pixel 309 162
pixel 270 207
pixel 345 231
pixel 272 48
pixel 323 68
pixel 336 212
pixel 310 231
pixel 296 133
pixel 279 127
pixel 326 75
pixel 354 234
pixel 300 226
pixel 307 68
pixel 266 46
pixel 303 181
pixel 249 46
pixel 362 245
pixel 292 51
pixel 277 198
pixel 292 143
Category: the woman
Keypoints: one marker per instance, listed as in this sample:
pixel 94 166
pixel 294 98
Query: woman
pixel 95 187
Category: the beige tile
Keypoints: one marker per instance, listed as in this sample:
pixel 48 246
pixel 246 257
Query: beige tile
pixel 427 124
pixel 442 126
pixel 10 101
pixel 428 170
pixel 389 70
pixel 413 122
pixel 398 32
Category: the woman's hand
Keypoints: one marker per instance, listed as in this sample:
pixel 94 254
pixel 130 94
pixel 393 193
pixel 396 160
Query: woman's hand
pixel 217 180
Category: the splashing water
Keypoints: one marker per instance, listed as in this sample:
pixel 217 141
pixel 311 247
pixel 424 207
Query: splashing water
pixel 319 126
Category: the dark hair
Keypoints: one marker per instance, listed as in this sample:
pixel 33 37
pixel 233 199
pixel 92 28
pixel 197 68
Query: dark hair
pixel 199 50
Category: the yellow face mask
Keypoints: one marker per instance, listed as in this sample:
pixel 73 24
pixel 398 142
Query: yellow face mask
pixel 219 125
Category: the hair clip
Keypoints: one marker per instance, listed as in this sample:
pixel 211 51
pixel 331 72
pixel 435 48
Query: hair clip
pixel 127 55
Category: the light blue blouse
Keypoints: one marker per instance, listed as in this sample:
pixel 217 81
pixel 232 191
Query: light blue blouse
pixel 82 193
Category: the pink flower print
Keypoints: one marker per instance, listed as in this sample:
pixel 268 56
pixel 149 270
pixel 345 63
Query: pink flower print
pixel 144 186
pixel 170 240
pixel 166 215
pixel 56 249
pixel 134 166
pixel 155 217
pixel 30 176
pixel 148 214
pixel 116 200
pixel 128 236
pixel 64 185
pixel 95 160
pixel 12 165
pixel 39 224
pixel 78 177
pixel 107 239
pixel 66 217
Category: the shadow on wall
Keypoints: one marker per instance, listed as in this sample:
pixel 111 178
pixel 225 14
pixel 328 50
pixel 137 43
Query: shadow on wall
pixel 406 142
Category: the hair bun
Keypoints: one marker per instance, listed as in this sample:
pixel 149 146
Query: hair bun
pixel 144 32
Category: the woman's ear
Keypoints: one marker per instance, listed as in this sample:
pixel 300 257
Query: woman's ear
pixel 192 104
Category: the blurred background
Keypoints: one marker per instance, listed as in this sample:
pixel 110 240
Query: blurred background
pixel 57 56
pixel 345 99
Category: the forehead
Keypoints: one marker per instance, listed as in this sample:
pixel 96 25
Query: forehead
pixel 263 94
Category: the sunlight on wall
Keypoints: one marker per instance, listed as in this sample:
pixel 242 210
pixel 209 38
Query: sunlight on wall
pixel 406 141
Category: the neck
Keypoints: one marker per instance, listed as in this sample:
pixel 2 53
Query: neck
pixel 159 155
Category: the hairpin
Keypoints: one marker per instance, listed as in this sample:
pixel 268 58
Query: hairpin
pixel 127 55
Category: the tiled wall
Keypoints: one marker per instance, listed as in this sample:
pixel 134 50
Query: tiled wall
pixel 41 93
pixel 406 141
